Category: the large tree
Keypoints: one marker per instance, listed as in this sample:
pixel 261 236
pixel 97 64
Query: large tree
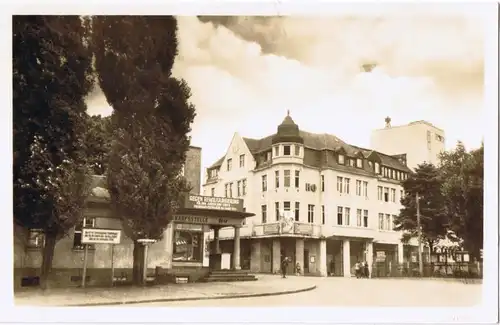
pixel 425 181
pixel 152 118
pixel 97 142
pixel 462 172
pixel 51 77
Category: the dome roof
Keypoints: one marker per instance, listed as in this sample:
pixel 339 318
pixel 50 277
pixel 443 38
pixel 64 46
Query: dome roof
pixel 288 131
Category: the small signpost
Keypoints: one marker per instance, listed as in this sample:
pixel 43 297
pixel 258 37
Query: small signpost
pixel 145 242
pixel 99 236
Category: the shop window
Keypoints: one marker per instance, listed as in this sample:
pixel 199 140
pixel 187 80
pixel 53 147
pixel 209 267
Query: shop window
pixel 188 246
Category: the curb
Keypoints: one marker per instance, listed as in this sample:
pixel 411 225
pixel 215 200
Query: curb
pixel 131 302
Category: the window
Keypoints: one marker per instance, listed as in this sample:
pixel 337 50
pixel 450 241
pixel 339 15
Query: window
pixel 351 162
pixel 226 190
pixel 242 161
pixel 287 178
pixel 365 189
pixel 188 245
pixel 339 216
pixel 347 216
pixel 276 151
pixel 358 187
pixel 286 151
pixel 268 155
pixel 277 210
pixel 277 178
pixel 77 239
pixel 377 168
pixel 341 159
pixel 238 185
pixel 359 217
pixel 264 183
pixel 379 193
pixel 401 194
pixel 297 178
pixel 346 185
pixel 310 213
pixel 428 136
pixel 230 189
pixel 297 150
pixel 359 163
pixel 264 213
pixel 323 221
pixel 322 183
pixel 286 205
pixel 340 187
pixel 36 238
pixel 212 191
pixel 393 195
pixel 365 218
pixel 393 173
pixel 386 194
pixel 388 222
pixel 392 223
pixel 297 211
pixel 380 221
pixel 229 164
pixel 244 189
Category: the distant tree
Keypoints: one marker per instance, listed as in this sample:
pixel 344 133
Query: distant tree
pixel 97 140
pixel 427 183
pixel 51 77
pixel 463 175
pixel 152 117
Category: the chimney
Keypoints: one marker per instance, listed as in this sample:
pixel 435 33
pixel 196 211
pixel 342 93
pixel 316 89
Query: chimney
pixel 368 67
pixel 387 122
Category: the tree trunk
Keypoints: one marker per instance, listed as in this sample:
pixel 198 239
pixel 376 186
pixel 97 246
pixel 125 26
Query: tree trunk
pixel 138 265
pixel 48 256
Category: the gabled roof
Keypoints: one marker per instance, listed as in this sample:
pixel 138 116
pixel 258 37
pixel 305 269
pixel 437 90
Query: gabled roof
pixel 218 163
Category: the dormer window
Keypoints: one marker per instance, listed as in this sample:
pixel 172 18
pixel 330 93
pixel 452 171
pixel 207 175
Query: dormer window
pixel 370 164
pixel 276 151
pixel 287 150
pixel 351 162
pixel 377 168
pixel 268 155
pixel 359 163
pixel 341 159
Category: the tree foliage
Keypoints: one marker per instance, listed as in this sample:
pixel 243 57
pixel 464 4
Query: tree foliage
pixel 151 121
pixel 425 181
pixel 97 141
pixel 51 77
pixel 463 173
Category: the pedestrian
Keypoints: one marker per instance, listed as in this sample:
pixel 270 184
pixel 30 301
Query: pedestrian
pixel 332 267
pixel 357 269
pixel 367 271
pixel 284 265
pixel 297 269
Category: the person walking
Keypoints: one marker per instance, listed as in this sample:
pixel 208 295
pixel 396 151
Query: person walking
pixel 332 267
pixel 367 271
pixel 284 265
pixel 357 270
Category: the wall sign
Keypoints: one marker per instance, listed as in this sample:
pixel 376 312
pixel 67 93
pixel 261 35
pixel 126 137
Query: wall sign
pixel 213 203
pixel 207 220
pixel 100 236
pixel 189 227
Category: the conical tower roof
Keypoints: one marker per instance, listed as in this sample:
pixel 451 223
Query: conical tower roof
pixel 288 131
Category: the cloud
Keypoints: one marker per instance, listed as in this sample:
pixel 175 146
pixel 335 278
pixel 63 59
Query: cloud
pixel 246 72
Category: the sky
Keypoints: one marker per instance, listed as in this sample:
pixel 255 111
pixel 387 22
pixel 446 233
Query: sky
pixel 245 73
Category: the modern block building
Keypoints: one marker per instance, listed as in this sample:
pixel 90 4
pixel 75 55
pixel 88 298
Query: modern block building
pixel 183 244
pixel 420 141
pixel 318 200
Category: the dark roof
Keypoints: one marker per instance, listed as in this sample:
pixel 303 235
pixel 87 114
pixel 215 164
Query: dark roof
pixel 218 163
pixel 321 142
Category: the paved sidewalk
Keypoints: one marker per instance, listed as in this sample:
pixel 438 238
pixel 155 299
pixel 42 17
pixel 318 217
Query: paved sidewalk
pixel 266 285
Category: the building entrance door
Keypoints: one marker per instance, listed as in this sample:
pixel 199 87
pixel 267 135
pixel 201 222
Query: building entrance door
pixel 306 261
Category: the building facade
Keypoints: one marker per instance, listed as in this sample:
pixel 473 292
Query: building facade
pixel 182 243
pixel 420 141
pixel 321 202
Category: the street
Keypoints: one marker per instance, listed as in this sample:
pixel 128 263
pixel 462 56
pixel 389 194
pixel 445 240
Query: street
pixel 357 292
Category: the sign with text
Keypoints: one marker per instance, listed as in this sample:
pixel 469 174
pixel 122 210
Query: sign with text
pixel 100 236
pixel 219 221
pixel 213 203
pixel 188 227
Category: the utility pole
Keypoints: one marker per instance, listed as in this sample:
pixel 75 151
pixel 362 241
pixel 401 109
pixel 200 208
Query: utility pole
pixel 419 229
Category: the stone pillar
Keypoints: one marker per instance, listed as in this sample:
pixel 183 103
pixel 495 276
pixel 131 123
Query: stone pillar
pixel 216 241
pixel 401 254
pixel 322 258
pixel 346 257
pixel 299 254
pixel 169 245
pixel 276 255
pixel 236 251
pixel 369 257
pixel 255 258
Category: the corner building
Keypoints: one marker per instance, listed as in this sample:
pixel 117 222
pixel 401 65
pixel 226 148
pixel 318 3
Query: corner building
pixel 321 202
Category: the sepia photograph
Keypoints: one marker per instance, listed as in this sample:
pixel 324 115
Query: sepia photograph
pixel 278 160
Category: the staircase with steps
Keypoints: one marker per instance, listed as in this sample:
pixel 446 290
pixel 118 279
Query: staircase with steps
pixel 229 276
